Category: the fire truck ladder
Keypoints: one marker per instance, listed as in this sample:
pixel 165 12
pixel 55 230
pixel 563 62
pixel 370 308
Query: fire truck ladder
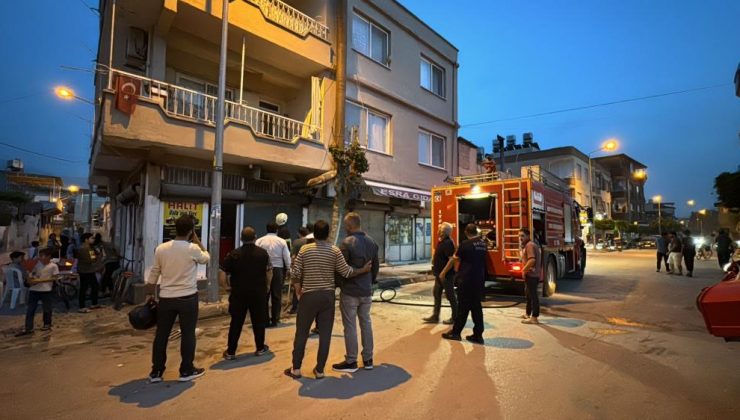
pixel 513 217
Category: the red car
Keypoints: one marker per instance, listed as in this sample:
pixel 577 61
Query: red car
pixel 720 304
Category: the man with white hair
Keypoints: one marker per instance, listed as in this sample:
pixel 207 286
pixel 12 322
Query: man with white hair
pixel 444 273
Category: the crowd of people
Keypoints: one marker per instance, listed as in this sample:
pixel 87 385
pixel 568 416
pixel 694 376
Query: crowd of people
pixel 676 250
pixel 255 274
pixel 93 259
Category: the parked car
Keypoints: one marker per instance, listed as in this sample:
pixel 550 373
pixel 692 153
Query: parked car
pixel 720 304
pixel 647 243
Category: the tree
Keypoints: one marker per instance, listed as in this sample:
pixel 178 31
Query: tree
pixel 727 186
pixel 349 163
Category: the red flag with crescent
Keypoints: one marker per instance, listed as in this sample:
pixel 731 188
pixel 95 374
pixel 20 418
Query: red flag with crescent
pixel 127 91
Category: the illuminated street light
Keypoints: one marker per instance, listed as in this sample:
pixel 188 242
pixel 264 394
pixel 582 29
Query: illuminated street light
pixel 74 189
pixel 702 212
pixel 658 199
pixel 68 94
pixel 609 146
pixel 691 203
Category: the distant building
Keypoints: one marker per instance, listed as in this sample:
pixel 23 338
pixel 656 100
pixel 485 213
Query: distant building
pixel 628 180
pixel 469 157
pixel 567 163
pixel 667 210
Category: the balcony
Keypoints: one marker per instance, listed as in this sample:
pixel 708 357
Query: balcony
pixel 291 19
pixel 198 107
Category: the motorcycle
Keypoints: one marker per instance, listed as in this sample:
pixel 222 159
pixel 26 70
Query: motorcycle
pixel 703 249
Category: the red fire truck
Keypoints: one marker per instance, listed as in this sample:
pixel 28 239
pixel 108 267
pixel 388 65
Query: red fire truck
pixel 500 205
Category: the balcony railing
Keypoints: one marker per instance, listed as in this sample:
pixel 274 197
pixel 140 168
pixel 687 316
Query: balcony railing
pixel 199 107
pixel 291 19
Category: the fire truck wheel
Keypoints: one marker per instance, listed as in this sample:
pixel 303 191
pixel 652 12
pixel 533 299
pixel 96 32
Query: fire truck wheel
pixel 551 278
pixel 581 269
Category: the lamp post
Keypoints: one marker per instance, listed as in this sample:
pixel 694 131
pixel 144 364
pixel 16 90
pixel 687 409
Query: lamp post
pixel 702 212
pixel 218 163
pixel 608 146
pixel 68 94
pixel 658 199
pixel 690 203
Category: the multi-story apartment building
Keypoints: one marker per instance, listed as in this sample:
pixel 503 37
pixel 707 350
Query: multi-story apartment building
pixel 628 180
pixel 153 149
pixel 567 163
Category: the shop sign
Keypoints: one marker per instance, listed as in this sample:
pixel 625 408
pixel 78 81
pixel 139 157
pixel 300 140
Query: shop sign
pixel 173 210
pixel 406 195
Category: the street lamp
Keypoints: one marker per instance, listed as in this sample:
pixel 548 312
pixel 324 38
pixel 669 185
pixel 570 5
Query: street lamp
pixel 609 146
pixel 702 212
pixel 63 92
pixel 658 199
pixel 74 189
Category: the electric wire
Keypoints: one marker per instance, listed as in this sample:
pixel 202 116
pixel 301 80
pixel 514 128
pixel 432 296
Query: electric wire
pixel 603 104
pixel 41 154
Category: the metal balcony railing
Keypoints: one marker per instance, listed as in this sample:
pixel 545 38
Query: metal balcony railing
pixel 291 19
pixel 200 107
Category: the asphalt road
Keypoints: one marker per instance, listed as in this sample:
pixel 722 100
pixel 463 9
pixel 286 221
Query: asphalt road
pixel 624 342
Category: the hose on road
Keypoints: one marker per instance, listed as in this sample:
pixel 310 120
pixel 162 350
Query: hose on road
pixel 386 297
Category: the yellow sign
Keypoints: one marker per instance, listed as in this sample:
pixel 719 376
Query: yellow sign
pixel 173 210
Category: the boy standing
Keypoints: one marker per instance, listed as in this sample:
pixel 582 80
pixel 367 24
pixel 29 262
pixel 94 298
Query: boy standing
pixel 41 283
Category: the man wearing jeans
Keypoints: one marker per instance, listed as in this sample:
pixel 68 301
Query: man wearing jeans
pixel 175 269
pixel 531 272
pixel 356 297
pixel 313 277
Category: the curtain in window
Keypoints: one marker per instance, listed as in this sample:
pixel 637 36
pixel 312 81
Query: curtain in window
pixel 424 148
pixel 360 35
pixel 379 45
pixel 376 132
pixel 426 75
pixel 438 152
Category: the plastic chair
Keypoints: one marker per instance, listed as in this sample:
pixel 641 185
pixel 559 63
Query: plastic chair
pixel 13 286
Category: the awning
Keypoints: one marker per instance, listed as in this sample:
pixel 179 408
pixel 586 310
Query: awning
pixel 397 191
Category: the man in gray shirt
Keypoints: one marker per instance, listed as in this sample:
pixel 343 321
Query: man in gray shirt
pixel 356 297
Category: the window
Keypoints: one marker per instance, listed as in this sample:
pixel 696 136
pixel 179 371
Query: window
pixel 432 78
pixel 431 150
pixel 191 104
pixel 585 175
pixel 372 127
pixel 370 40
pixel 579 169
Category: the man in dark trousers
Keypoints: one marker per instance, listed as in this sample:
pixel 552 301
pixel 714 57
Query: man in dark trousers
pixel 725 247
pixel 661 245
pixel 531 271
pixel 357 294
pixel 444 275
pixel 470 281
pixel 313 278
pixel 250 274
pixel 689 252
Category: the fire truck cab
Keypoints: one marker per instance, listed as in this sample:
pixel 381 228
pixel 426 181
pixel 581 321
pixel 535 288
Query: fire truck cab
pixel 500 205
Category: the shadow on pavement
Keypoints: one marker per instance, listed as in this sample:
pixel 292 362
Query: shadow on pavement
pixel 382 378
pixel 508 343
pixel 146 395
pixel 242 361
pixel 564 322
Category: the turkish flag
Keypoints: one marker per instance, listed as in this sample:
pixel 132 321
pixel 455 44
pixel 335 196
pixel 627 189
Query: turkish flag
pixel 127 90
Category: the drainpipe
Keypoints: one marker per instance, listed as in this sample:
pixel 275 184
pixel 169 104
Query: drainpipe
pixel 110 49
pixel 341 74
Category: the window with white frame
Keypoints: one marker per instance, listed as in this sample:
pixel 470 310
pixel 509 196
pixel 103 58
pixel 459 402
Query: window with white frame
pixel 371 127
pixel 431 149
pixel 432 77
pixel 369 39
pixel 578 171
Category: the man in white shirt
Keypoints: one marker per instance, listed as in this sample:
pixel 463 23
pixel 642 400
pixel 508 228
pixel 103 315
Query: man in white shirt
pixel 175 269
pixel 41 281
pixel 277 249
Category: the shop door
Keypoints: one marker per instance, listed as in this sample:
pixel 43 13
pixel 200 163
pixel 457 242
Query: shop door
pixel 423 238
pixel 400 238
pixel 228 229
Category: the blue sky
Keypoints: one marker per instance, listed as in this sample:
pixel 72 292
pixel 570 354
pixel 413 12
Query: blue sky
pixel 517 58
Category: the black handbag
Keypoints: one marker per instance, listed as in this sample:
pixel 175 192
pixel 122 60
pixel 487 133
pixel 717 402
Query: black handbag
pixel 144 316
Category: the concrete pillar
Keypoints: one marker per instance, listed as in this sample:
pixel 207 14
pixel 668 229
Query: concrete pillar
pixel 152 220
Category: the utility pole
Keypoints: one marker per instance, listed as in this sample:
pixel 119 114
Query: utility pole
pixel 218 164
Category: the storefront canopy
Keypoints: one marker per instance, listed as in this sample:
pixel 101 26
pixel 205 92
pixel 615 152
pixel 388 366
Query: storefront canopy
pixel 397 191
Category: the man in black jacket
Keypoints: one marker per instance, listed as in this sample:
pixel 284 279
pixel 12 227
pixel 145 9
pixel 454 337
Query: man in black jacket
pixel 470 281
pixel 356 297
pixel 444 273
pixel 250 273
